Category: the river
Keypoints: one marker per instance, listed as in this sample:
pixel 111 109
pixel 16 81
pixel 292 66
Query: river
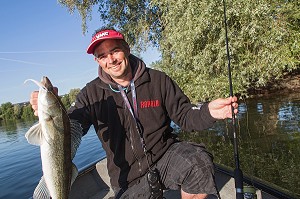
pixel 21 168
pixel 268 132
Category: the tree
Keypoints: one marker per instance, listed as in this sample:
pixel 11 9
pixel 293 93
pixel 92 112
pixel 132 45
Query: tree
pixel 194 45
pixel 73 93
pixel 263 39
pixel 138 19
pixel 66 101
pixel 7 111
pixel 17 111
pixel 27 112
pixel 1 113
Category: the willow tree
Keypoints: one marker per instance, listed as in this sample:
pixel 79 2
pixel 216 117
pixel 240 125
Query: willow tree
pixel 263 39
pixel 194 45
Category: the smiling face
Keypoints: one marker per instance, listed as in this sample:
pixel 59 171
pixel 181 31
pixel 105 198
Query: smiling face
pixel 112 55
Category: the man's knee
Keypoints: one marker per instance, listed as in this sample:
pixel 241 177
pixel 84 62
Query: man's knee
pixel 185 195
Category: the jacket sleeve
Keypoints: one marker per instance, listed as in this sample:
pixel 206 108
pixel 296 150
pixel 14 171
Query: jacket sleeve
pixel 188 116
pixel 80 111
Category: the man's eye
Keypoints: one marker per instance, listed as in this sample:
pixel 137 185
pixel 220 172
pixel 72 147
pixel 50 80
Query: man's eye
pixel 102 56
pixel 116 50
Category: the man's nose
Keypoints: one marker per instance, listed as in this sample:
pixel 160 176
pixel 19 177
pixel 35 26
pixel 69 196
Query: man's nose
pixel 110 58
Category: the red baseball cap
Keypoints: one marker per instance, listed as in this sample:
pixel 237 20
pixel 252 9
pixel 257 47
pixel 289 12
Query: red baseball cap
pixel 103 35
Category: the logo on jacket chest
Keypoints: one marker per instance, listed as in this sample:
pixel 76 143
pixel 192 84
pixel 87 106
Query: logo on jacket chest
pixel 149 103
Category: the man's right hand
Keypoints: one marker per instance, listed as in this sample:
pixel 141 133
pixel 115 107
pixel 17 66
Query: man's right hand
pixel 34 100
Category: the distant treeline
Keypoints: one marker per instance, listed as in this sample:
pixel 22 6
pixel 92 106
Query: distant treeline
pixel 9 111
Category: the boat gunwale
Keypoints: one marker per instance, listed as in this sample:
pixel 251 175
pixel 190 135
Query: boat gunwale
pixel 257 183
pixel 260 184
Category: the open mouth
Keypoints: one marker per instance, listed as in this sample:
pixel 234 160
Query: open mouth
pixel 116 67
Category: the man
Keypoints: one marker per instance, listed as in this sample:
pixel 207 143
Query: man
pixel 131 108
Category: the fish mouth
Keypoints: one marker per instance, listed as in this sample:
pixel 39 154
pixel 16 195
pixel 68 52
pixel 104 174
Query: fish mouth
pixel 45 83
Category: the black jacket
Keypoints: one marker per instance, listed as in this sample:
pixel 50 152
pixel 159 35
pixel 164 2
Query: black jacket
pixel 159 100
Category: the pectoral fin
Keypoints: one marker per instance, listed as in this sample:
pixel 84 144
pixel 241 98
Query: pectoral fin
pixel 34 135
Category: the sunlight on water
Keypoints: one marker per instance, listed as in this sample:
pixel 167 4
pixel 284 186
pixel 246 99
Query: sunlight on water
pixel 21 164
pixel 269 132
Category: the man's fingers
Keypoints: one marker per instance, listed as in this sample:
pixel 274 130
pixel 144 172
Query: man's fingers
pixel 36 113
pixel 34 94
pixel 34 107
pixel 235 105
pixel 34 102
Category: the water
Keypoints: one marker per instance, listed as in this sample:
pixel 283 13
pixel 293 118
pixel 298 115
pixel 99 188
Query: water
pixel 269 140
pixel 20 162
pixel 268 134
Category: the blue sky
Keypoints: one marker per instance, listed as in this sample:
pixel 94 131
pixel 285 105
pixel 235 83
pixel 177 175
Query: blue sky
pixel 41 38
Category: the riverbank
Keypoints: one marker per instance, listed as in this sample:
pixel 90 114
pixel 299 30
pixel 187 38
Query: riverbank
pixel 287 84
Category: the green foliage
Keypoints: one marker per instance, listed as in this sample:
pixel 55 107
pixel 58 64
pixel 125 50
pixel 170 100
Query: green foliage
pixel 66 101
pixel 9 111
pixel 27 112
pixel 194 44
pixel 73 93
pixel 17 111
pixel 263 39
pixel 137 19
pixel 84 8
pixel 268 143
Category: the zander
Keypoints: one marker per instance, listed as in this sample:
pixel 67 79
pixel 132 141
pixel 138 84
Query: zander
pixel 58 138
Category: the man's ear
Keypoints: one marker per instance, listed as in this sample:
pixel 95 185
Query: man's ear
pixel 128 51
pixel 126 48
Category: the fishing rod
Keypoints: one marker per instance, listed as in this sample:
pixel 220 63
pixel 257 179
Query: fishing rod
pixel 238 174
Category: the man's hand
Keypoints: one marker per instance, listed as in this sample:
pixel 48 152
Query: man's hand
pixel 34 100
pixel 221 108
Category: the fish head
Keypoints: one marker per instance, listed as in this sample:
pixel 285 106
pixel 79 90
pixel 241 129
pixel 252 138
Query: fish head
pixel 46 83
pixel 47 97
pixel 48 100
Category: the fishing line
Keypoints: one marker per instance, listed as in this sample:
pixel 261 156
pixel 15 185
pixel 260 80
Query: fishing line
pixel 238 174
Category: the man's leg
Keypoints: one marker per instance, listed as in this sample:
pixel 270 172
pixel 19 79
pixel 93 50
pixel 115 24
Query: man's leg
pixel 185 166
pixel 188 167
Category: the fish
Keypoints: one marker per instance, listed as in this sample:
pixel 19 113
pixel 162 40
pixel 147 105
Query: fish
pixel 58 138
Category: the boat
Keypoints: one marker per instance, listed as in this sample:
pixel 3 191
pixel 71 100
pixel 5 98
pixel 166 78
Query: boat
pixel 93 183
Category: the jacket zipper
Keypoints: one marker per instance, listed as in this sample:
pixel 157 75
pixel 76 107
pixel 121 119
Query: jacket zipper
pixel 132 143
pixel 134 153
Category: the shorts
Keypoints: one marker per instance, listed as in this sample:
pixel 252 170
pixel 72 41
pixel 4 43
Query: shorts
pixel 185 165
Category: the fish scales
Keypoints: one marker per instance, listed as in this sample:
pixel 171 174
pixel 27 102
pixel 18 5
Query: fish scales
pixel 53 135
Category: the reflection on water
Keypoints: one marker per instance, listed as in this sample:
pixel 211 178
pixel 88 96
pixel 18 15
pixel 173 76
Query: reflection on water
pixel 10 130
pixel 269 139
pixel 20 162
